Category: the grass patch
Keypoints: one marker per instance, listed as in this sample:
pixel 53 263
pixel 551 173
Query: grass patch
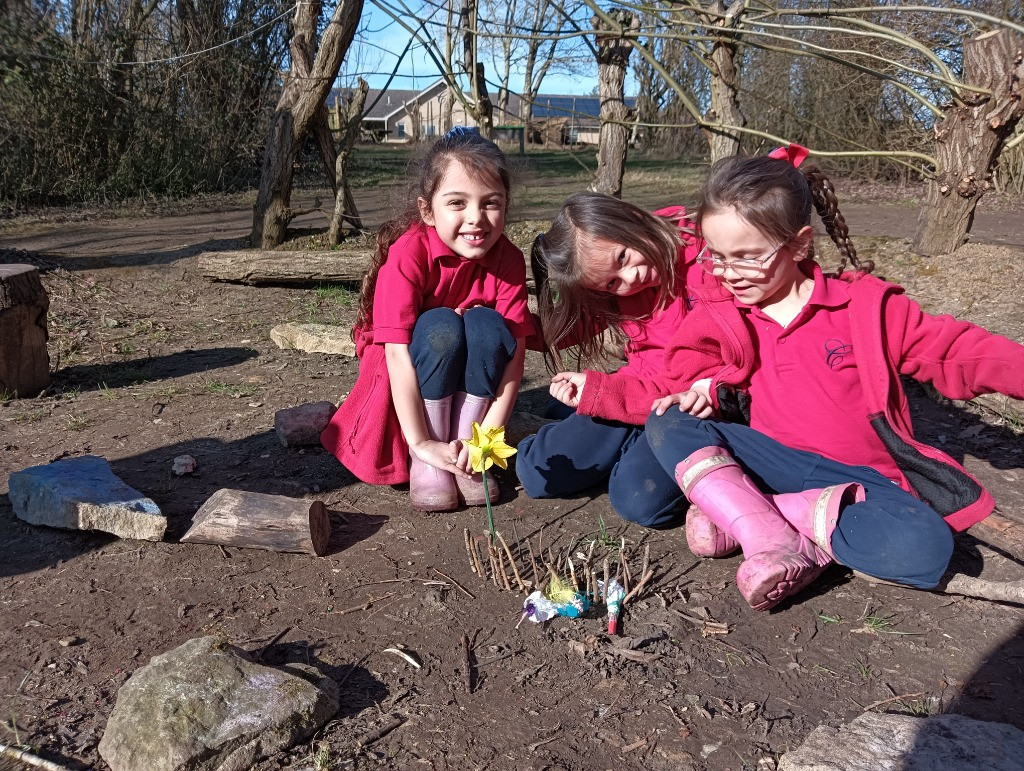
pixel 219 388
pixel 78 423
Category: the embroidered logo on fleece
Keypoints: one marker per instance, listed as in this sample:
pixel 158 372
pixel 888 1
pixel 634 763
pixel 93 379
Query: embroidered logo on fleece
pixel 836 352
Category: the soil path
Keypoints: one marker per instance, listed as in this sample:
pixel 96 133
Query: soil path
pixel 151 362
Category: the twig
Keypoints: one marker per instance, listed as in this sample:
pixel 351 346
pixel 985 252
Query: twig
pixel 639 587
pixel 480 571
pixel 901 696
pixel 469 551
pixel 273 642
pixel 572 573
pixel 379 733
pixel 505 581
pixel 533 563
pixel 604 590
pixel 467 663
pixel 352 668
pixel 457 584
pixel 512 562
pixel 365 606
pixel 29 759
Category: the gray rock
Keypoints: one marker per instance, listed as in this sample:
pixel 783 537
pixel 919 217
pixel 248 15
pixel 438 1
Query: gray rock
pixel 314 338
pixel 84 494
pixel 205 706
pixel 303 424
pixel 874 742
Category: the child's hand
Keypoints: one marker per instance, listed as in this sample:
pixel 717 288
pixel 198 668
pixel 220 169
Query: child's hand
pixel 694 402
pixel 567 387
pixel 442 455
pixel 462 460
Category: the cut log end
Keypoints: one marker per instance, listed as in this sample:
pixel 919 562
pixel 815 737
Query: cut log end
pixel 319 528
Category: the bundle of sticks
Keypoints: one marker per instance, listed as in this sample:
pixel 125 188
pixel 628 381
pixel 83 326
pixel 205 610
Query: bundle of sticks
pixel 494 560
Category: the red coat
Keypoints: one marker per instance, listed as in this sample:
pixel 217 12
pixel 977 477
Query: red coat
pixel 892 336
pixel 420 274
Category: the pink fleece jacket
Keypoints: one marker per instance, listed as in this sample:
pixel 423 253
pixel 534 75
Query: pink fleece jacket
pixel 892 336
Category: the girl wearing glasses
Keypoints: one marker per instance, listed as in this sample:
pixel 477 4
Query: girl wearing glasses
pixel 606 269
pixel 811 455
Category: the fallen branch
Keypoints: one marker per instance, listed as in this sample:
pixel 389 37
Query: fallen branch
pixel 983 589
pixel 372 736
pixel 29 759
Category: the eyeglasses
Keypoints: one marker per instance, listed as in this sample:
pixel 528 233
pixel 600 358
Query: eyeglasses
pixel 745 268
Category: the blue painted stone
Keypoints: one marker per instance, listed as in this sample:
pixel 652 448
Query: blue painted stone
pixel 84 494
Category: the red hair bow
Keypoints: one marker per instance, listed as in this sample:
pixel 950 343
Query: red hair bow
pixel 794 154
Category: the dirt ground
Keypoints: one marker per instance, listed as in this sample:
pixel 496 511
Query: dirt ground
pixel 152 361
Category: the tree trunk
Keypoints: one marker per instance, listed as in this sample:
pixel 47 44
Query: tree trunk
pixel 612 57
pixel 302 103
pixel 260 521
pixel 725 83
pixel 344 203
pixel 969 139
pixel 24 363
pixel 480 108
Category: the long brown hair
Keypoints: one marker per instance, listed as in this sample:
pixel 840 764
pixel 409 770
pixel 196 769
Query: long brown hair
pixel 477 154
pixel 566 307
pixel 776 198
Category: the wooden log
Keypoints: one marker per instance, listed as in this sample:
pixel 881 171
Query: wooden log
pixel 24 363
pixel 260 521
pixel 270 267
pixel 1001 532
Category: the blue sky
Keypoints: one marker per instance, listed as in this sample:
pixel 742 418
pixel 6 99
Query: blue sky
pixel 377 48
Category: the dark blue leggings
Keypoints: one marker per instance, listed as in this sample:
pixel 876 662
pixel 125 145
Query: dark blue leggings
pixel 891 535
pixel 578 452
pixel 460 353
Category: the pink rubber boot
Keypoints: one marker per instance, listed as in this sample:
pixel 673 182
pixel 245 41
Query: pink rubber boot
pixel 467 410
pixel 705 538
pixel 815 513
pixel 778 561
pixel 430 488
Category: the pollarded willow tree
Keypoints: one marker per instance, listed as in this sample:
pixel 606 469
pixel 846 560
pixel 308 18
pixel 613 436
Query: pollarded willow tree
pixel 913 55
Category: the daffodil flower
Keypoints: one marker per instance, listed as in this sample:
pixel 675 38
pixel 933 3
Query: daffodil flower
pixel 488 448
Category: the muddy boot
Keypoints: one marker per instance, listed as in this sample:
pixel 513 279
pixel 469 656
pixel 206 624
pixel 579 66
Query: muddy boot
pixel 778 561
pixel 815 513
pixel 705 538
pixel 430 488
pixel 467 410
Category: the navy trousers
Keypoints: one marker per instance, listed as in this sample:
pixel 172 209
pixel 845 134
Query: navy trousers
pixel 460 353
pixel 578 452
pixel 891 535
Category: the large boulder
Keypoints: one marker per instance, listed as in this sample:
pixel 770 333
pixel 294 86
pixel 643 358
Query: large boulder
pixel 206 706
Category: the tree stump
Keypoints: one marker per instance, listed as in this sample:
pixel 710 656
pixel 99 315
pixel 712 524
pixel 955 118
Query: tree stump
pixel 260 521
pixel 24 363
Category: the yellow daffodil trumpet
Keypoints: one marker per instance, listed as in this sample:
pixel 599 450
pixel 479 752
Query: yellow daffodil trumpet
pixel 487 448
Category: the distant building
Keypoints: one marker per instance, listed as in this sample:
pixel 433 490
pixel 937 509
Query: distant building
pixel 404 115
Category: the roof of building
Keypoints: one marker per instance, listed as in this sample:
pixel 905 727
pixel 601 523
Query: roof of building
pixel 381 104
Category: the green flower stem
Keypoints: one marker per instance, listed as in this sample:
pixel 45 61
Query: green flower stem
pixel 487 500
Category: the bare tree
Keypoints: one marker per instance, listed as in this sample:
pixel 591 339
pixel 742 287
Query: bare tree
pixel 344 204
pixel 479 106
pixel 302 107
pixel 613 50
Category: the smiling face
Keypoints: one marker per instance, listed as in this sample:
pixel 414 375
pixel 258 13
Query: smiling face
pixel 731 237
pixel 467 211
pixel 612 268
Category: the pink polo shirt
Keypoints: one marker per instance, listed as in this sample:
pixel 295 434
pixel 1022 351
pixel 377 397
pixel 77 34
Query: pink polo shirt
pixel 421 274
pixel 806 391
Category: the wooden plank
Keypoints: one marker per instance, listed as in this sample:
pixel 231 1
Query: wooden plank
pixel 273 267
